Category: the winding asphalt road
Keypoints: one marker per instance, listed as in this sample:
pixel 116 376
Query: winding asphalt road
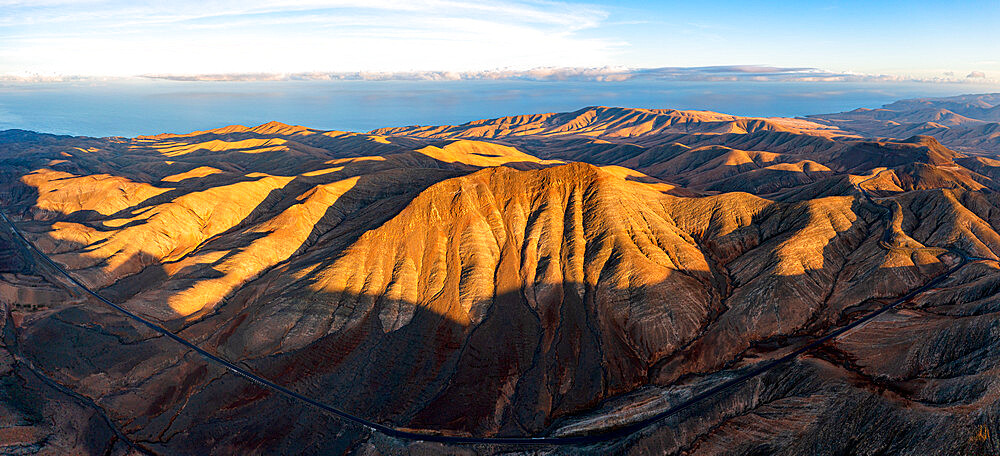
pixel 597 437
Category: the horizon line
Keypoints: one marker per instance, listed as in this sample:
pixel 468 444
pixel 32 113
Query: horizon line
pixel 716 73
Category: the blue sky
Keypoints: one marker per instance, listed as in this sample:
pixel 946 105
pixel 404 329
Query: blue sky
pixel 913 39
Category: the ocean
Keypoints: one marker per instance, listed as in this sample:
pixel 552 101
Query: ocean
pixel 140 107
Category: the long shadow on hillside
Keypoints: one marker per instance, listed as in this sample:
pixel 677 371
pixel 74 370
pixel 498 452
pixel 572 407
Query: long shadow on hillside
pixel 382 188
pixel 316 139
pixel 430 374
pixel 649 154
pixel 420 368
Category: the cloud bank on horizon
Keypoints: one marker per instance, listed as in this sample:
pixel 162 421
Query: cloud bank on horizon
pixel 718 73
pixel 745 73
pixel 58 40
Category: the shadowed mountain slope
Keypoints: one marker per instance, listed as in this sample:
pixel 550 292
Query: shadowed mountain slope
pixel 609 122
pixel 553 274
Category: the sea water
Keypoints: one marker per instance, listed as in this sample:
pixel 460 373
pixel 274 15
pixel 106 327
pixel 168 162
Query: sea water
pixel 139 106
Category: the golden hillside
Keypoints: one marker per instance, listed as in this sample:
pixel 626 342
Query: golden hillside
pixel 551 274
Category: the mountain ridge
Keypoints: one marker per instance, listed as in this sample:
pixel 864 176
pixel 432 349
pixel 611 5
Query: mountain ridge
pixel 522 276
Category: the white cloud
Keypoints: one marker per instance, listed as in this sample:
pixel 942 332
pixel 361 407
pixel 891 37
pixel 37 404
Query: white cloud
pixel 977 75
pixel 731 73
pixel 746 73
pixel 127 38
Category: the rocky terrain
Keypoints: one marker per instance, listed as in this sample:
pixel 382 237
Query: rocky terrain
pixel 969 123
pixel 556 275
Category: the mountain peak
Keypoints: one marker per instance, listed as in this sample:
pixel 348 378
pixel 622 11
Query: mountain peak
pixel 275 127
